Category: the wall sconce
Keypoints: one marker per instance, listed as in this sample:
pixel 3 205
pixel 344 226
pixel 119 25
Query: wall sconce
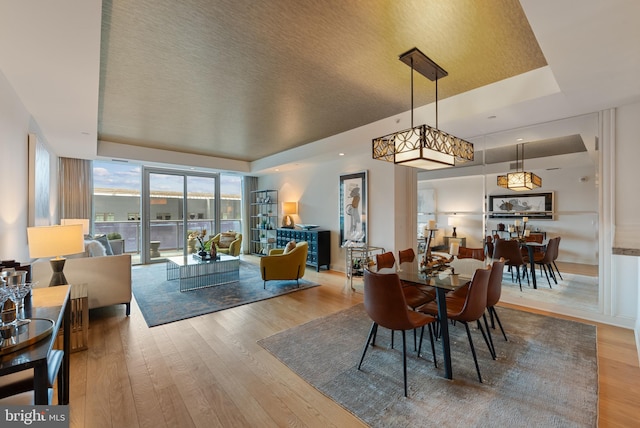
pixel 288 209
pixel 58 241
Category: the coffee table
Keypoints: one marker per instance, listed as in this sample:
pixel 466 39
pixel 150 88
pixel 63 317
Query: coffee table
pixel 194 273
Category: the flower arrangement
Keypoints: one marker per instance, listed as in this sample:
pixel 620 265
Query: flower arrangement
pixel 199 236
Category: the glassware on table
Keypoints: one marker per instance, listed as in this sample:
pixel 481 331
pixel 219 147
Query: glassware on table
pixel 17 294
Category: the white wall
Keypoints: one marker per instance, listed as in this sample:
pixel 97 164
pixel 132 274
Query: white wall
pixel 14 128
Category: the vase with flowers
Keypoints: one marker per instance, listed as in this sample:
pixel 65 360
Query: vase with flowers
pixel 199 236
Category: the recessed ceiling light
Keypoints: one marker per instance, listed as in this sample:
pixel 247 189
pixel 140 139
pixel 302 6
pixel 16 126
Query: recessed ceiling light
pixel 277 169
pixel 340 154
pixel 519 139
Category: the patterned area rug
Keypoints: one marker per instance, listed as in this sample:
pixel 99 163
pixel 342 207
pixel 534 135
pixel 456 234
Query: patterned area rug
pixel 546 375
pixel 161 301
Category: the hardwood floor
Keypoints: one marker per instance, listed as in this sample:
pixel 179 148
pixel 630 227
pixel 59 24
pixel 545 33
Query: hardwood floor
pixel 209 371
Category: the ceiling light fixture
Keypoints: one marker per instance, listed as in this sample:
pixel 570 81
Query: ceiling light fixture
pixel 519 180
pixel 422 146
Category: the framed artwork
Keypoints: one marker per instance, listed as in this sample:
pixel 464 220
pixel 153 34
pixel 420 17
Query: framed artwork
pixel 39 183
pixel 353 207
pixel 532 205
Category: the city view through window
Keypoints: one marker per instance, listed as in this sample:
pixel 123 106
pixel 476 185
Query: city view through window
pixel 118 207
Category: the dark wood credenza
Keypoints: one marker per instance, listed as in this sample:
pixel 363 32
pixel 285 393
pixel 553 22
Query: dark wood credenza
pixel 319 241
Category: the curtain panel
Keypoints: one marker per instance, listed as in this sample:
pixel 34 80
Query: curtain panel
pixel 75 188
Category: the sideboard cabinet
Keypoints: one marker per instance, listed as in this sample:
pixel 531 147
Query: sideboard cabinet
pixel 319 241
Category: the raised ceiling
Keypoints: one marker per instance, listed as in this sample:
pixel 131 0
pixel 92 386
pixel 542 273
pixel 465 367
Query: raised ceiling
pixel 245 80
pixel 223 77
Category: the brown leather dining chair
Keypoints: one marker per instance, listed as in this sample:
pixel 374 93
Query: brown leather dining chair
pixel 509 249
pixel 494 290
pixel 413 295
pixel 545 259
pixel 468 309
pixel 385 304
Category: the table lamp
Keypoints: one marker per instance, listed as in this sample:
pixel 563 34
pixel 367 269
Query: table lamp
pixel 58 241
pixel 288 208
pixel 452 222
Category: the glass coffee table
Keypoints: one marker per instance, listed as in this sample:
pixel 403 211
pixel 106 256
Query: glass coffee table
pixel 195 273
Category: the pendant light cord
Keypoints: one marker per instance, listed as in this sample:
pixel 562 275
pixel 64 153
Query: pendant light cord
pixel 411 92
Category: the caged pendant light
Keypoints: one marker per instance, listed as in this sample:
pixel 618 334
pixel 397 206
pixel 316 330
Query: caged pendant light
pixel 520 180
pixel 422 146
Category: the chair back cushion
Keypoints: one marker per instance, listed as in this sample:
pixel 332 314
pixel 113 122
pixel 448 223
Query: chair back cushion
pixel 406 256
pixel 510 250
pixel 385 260
pixel 476 301
pixel 384 302
pixel 495 283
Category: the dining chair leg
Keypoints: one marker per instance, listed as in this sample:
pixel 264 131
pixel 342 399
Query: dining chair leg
pixel 546 274
pixel 392 336
pixel 557 270
pixel 473 351
pixel 372 333
pixel 553 275
pixel 492 347
pixel 404 360
pixel 494 313
pixel 433 346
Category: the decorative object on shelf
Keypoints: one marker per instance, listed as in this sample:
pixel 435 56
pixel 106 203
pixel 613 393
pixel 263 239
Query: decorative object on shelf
pixel 288 209
pixel 501 227
pixel 58 241
pixel 422 146
pixel 307 226
pixel 520 180
pixel 353 207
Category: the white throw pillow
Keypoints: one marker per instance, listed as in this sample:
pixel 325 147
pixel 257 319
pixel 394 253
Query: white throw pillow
pixel 95 249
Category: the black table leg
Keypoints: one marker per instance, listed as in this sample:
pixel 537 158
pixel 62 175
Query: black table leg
pixel 532 266
pixel 444 329
pixel 40 384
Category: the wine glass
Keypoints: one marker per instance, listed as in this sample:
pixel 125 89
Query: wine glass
pixel 4 296
pixel 17 294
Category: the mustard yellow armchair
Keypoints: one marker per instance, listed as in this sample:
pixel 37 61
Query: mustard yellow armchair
pixel 228 243
pixel 278 265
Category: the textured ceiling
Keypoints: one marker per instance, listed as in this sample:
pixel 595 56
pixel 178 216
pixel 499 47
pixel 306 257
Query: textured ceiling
pixel 248 79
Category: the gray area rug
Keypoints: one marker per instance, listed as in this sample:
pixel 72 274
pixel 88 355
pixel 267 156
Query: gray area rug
pixel 161 301
pixel 545 375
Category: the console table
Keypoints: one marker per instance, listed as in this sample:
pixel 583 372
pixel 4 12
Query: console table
pixel 319 240
pixel 49 303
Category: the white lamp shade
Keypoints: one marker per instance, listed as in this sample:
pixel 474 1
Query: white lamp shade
pixel 452 221
pixel 55 241
pixel 83 221
pixel 289 208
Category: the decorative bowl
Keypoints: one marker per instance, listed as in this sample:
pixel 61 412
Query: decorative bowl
pixel 307 226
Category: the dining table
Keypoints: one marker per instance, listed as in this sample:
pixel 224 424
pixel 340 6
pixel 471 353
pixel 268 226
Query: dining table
pixel 443 283
pixel 48 304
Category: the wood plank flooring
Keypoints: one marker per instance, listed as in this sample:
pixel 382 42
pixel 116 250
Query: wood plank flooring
pixel 209 371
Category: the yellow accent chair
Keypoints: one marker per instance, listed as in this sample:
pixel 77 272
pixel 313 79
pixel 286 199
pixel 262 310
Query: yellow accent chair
pixel 228 243
pixel 278 265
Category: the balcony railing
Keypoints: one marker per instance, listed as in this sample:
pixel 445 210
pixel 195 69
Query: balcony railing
pixel 170 233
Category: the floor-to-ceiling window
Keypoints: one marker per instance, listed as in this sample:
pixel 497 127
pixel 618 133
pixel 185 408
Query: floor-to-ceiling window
pixel 156 210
